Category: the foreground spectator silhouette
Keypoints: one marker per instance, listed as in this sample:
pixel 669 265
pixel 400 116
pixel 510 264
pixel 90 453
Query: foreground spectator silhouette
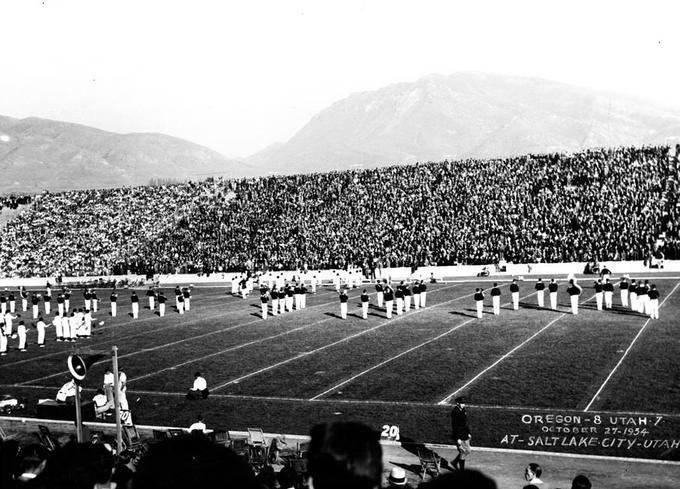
pixel 344 455
pixel 464 479
pixel 192 462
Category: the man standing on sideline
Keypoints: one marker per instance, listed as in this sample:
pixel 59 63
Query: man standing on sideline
pixel 24 298
pixel 642 297
pixel 389 297
pixel 275 300
pixel 380 292
pixel 134 299
pixel 399 298
pixel 514 291
pixel 407 297
pixel 653 295
pixel 161 304
pixel 364 304
pixel 95 301
pixel 623 287
pixel 60 303
pixel 496 299
pixel 608 289
pixel 598 294
pixel 47 304
pixel 423 293
pixel 540 292
pixel 186 293
pixel 574 291
pixel 40 327
pixel 633 295
pixel 114 303
pixel 416 296
pixel 479 302
pixel 552 289
pixel 35 301
pixel 264 300
pixel 151 296
pixel 460 432
pixel 343 303
pixel 12 302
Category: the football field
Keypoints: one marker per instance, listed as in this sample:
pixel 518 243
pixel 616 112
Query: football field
pixel 600 382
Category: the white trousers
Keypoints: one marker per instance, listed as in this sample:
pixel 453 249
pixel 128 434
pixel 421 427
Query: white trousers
pixel 388 309
pixel 540 295
pixel 574 304
pixel 343 310
pixel 553 301
pixel 364 310
pixel 480 309
pixel 515 300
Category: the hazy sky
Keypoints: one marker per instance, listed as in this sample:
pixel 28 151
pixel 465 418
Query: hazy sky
pixel 238 76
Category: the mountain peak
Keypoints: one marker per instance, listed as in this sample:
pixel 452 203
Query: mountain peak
pixel 467 115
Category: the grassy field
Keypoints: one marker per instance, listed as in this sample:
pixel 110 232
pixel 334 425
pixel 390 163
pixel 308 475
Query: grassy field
pixel 534 378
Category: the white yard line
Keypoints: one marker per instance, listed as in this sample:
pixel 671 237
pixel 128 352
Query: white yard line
pixel 625 354
pixel 226 350
pixel 343 340
pixel 173 343
pixel 448 398
pixel 354 377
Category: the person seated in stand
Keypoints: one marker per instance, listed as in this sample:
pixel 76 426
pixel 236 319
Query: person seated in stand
pixel 200 388
pixel 532 474
pixel 67 393
pixel 101 404
pixel 198 425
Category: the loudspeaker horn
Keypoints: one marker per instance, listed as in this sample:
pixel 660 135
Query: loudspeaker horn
pixel 78 365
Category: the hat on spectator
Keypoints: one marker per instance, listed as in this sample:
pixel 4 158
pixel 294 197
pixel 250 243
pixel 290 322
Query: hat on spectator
pixel 461 400
pixel 397 477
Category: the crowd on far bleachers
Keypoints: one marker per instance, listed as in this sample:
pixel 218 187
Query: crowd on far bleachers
pixel 601 204
pixel 13 201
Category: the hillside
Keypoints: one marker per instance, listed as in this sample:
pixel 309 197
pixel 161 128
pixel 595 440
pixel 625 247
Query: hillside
pixel 37 154
pixel 466 115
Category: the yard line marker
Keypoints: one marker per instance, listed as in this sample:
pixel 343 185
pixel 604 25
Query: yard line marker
pixel 405 352
pixel 625 354
pixel 231 348
pixel 448 398
pixel 165 345
pixel 343 340
pixel 94 345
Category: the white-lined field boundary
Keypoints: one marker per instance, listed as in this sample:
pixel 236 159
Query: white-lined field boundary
pixel 173 343
pixel 448 398
pixel 625 354
pixel 399 355
pixel 335 343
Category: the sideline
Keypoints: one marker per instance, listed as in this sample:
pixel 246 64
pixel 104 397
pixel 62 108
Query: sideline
pixel 68 426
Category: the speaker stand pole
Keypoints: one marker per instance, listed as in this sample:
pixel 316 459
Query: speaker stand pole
pixel 79 415
pixel 116 400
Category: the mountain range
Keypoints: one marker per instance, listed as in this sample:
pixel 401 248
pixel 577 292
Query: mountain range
pixel 464 115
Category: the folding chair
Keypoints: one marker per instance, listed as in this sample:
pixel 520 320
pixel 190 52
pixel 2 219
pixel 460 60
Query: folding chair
pixel 240 447
pixel 173 432
pixel 302 449
pixel 131 438
pixel 221 437
pixel 429 461
pixel 46 438
pixel 159 434
pixel 259 451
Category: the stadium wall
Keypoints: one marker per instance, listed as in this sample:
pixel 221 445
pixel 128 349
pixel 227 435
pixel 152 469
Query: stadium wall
pixel 395 274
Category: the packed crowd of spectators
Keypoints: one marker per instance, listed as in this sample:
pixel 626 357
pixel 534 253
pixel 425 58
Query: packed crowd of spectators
pixel 13 201
pixel 600 205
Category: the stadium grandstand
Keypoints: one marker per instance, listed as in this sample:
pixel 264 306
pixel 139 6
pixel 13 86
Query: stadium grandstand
pixel 599 204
